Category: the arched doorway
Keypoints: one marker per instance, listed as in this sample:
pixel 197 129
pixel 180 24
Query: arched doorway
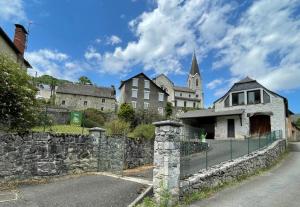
pixel 260 124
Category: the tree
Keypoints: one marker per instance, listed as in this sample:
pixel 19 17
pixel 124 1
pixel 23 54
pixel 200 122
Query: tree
pixel 126 113
pixel 169 110
pixel 84 80
pixel 17 97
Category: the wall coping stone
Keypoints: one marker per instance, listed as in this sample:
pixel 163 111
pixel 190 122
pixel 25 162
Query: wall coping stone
pixel 97 129
pixel 167 123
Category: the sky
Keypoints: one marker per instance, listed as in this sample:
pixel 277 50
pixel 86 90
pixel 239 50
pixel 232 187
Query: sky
pixel 112 40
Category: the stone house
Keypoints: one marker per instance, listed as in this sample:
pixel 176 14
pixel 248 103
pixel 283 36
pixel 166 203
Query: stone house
pixel 184 97
pixel 143 94
pixel 80 97
pixel 248 108
pixel 44 91
pixel 15 49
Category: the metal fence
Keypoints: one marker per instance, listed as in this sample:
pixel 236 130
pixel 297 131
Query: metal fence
pixel 197 155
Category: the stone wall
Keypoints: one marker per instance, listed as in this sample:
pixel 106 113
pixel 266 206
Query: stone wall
pixel 46 154
pixel 231 170
pixel 138 152
pixel 43 154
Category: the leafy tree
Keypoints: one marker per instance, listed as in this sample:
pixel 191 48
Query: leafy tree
pixel 84 80
pixel 126 113
pixel 94 118
pixel 169 110
pixel 17 96
pixel 49 80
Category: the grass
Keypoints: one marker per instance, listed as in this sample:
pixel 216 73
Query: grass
pixel 66 129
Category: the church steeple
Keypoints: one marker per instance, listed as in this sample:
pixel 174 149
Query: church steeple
pixel 194 66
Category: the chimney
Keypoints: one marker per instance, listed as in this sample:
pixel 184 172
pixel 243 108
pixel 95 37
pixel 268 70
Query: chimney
pixel 20 38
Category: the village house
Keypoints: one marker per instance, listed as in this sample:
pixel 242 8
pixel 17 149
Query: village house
pixel 80 97
pixel 143 94
pixel 248 108
pixel 15 49
pixel 184 97
pixel 45 92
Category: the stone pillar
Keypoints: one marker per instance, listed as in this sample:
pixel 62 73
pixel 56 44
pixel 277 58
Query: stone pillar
pixel 100 147
pixel 166 172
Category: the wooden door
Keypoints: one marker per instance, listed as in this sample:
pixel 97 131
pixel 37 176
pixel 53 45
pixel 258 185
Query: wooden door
pixel 230 128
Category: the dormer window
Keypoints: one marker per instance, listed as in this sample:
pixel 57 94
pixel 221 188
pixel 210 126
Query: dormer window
pixel 238 99
pixel 253 97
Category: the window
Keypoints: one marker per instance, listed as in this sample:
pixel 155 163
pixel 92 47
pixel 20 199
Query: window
pixel 175 103
pixel 197 82
pixel 238 99
pixel 190 95
pixel 133 103
pixel 184 104
pixel 197 95
pixel 226 102
pixel 103 100
pixel 253 97
pixel 161 110
pixel 160 97
pixel 267 98
pixel 134 93
pixel 85 103
pixel 194 105
pixel 135 82
pixel 63 102
pixel 180 94
pixel 147 84
pixel 146 105
pixel 102 108
pixel 146 94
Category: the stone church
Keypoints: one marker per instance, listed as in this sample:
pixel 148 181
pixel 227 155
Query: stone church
pixel 182 97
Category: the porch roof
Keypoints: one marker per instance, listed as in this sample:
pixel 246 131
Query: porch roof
pixel 210 113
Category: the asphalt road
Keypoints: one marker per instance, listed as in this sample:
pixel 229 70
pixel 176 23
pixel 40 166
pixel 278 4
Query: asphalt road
pixel 279 187
pixel 85 191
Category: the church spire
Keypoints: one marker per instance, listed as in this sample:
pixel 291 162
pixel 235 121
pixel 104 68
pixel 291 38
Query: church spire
pixel 194 66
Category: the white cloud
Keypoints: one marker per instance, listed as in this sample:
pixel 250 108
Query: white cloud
pixel 54 63
pixel 12 10
pixel 113 40
pixel 92 54
pixel 215 83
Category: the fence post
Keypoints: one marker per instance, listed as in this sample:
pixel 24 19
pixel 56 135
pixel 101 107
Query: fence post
pixel 166 173
pixel 98 137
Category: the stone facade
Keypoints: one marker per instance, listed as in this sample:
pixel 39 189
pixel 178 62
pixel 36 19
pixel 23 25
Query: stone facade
pixel 231 170
pixel 80 97
pixel 166 172
pixel 134 91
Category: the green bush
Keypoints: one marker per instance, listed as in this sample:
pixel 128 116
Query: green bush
pixel 144 131
pixel 94 118
pixel 126 113
pixel 117 127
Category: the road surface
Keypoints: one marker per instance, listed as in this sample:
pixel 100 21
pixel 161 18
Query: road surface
pixel 279 187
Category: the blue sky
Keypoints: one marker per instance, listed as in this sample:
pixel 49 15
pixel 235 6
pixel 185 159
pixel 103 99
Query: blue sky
pixel 111 40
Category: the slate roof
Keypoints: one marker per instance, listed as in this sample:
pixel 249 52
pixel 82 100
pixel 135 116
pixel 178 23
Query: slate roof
pixel 194 66
pixel 143 74
pixel 209 113
pixel 86 90
pixel 183 89
pixel 13 46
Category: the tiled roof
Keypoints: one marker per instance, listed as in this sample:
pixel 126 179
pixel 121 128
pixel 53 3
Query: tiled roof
pixel 86 90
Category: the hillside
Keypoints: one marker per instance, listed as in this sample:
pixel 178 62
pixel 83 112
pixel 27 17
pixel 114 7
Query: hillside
pixel 47 79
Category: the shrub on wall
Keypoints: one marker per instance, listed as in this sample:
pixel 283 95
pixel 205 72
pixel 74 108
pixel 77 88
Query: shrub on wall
pixel 144 131
pixel 117 127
